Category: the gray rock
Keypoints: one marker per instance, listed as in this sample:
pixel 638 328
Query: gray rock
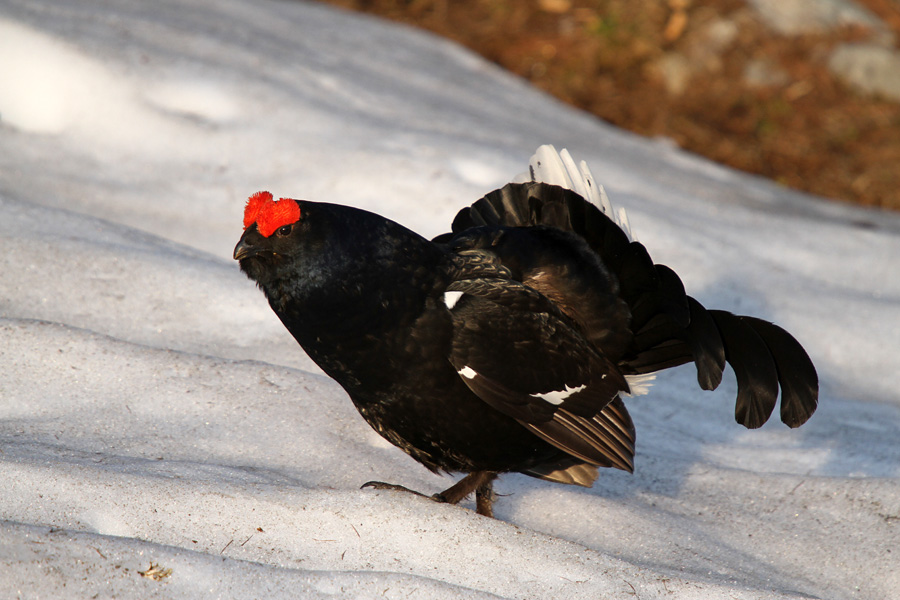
pixel 703 54
pixel 794 17
pixel 870 68
pixel 675 70
pixel 764 73
pixel 720 34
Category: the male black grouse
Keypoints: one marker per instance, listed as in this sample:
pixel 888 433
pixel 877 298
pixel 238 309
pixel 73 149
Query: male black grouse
pixel 504 346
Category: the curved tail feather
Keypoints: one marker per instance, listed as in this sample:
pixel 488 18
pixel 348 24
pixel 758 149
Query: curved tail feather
pixel 796 373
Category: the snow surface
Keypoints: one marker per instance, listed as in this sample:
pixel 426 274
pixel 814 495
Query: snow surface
pixel 154 410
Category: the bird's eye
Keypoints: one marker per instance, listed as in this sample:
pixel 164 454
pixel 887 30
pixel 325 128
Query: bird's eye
pixel 284 230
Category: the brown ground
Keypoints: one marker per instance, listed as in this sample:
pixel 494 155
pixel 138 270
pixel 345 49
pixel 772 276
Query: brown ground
pixel 805 130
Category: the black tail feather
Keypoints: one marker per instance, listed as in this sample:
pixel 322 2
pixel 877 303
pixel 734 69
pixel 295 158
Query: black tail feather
pixel 637 277
pixel 753 366
pixel 796 373
pixel 665 355
pixel 706 346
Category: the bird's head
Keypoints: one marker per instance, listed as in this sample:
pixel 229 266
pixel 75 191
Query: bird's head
pixel 270 238
pixel 293 247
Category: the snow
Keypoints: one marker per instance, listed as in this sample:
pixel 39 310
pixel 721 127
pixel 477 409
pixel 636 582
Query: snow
pixel 154 410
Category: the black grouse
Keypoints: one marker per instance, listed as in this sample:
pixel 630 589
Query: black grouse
pixel 506 344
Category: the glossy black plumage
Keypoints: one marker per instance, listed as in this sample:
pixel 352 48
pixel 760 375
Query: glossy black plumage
pixel 504 345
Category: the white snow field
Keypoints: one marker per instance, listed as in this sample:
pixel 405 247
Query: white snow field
pixel 154 411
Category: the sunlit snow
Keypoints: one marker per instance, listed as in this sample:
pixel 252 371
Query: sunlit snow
pixel 154 411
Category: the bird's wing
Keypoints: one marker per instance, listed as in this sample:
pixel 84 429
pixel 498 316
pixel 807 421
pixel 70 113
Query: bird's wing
pixel 523 357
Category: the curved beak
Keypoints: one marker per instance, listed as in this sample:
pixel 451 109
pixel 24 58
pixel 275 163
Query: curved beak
pixel 245 248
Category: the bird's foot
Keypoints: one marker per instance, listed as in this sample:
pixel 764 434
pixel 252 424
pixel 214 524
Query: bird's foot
pixel 479 482
pixel 380 485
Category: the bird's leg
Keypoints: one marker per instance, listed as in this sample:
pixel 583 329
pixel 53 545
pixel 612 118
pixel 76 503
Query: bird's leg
pixel 480 482
pixel 484 499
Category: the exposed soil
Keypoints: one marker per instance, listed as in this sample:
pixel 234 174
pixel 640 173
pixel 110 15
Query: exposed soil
pixel 737 92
